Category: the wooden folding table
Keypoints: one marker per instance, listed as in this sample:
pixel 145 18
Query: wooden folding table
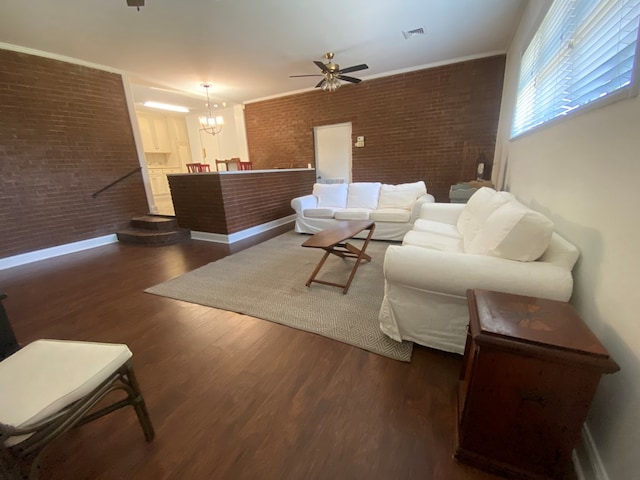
pixel 333 242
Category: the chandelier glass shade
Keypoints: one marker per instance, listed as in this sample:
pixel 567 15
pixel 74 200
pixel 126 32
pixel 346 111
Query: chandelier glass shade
pixel 331 83
pixel 208 123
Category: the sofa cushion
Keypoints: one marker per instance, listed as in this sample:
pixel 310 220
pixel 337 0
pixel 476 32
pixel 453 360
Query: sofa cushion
pixel 397 215
pixel 422 225
pixel 325 212
pixel 363 195
pixel 400 196
pixel 352 214
pixel 331 195
pixel 513 232
pixel 474 214
pixel 433 241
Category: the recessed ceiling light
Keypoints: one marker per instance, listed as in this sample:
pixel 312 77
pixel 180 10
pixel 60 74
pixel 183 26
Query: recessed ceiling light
pixel 166 106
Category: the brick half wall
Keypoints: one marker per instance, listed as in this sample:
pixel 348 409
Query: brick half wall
pixel 227 203
pixel 65 132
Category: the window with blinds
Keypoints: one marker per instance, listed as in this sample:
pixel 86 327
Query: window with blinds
pixel 583 51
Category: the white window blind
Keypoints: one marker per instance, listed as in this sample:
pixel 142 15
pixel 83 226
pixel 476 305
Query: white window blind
pixel 583 50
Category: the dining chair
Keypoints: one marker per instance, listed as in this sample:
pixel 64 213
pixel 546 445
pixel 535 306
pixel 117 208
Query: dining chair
pixel 222 162
pixel 245 166
pixel 204 167
pixel 52 386
pixel 193 167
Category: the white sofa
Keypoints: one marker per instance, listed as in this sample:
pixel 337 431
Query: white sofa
pixel 493 242
pixel 394 208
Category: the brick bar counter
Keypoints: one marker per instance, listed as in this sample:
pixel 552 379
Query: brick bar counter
pixel 226 203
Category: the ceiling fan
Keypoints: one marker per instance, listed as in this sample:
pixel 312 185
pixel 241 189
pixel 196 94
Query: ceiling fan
pixel 332 73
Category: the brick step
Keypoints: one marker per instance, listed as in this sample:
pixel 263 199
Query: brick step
pixel 158 223
pixel 143 236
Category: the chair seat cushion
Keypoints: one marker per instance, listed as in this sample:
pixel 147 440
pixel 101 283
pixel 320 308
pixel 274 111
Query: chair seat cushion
pixel 441 228
pixel 397 215
pixel 352 214
pixel 322 212
pixel 433 241
pixel 48 375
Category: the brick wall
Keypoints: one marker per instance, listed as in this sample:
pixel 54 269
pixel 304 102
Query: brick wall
pixel 228 203
pixel 429 125
pixel 65 132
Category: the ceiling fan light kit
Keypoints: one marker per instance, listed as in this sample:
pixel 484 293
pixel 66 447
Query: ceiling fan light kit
pixel 333 74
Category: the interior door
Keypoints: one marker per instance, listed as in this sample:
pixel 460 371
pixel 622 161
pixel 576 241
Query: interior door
pixel 333 153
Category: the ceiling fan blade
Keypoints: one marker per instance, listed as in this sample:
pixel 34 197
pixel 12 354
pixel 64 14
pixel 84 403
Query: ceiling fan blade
pixel 349 79
pixel 355 68
pixel 320 83
pixel 314 75
pixel 321 66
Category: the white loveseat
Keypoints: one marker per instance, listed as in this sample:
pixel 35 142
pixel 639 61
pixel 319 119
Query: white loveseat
pixel 493 242
pixel 394 208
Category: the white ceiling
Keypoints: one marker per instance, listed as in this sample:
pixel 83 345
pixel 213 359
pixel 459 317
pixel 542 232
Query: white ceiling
pixel 248 48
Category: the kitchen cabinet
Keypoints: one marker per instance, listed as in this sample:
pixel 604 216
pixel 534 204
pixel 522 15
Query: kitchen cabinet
pixel 160 189
pixel 178 130
pixel 155 134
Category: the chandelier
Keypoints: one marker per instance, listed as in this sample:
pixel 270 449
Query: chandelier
pixel 208 123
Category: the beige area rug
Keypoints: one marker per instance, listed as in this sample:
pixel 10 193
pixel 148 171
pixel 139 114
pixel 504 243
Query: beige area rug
pixel 267 281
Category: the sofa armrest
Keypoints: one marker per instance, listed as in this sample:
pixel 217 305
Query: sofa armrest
pixel 427 198
pixel 452 273
pixel 299 204
pixel 441 212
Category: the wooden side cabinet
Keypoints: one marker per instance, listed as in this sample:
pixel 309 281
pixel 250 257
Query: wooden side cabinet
pixel 531 368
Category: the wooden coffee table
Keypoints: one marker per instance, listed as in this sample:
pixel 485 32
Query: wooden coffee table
pixel 333 242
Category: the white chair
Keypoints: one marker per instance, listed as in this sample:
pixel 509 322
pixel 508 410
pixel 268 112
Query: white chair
pixel 51 386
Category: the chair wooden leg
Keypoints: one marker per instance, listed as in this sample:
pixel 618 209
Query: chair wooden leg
pixel 138 404
pixel 15 467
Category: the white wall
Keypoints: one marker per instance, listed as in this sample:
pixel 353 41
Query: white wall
pixel 584 173
pixel 229 143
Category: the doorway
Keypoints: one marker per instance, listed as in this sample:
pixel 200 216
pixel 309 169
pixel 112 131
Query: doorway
pixel 333 153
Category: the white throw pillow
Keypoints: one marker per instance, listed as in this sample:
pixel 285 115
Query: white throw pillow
pixel 363 195
pixel 401 196
pixel 481 204
pixel 332 195
pixel 513 232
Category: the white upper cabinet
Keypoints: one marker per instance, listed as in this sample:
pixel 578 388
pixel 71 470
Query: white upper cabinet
pixel 155 133
pixel 178 129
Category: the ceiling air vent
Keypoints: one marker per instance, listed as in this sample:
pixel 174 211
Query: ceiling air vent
pixel 410 33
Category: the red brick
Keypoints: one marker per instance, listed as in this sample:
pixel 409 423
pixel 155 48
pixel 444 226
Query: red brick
pixel 429 125
pixel 65 133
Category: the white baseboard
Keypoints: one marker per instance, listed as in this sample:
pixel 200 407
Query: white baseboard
pixel 51 252
pixel 588 465
pixel 242 234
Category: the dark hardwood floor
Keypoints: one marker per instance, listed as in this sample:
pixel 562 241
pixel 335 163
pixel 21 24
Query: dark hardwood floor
pixel 230 396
